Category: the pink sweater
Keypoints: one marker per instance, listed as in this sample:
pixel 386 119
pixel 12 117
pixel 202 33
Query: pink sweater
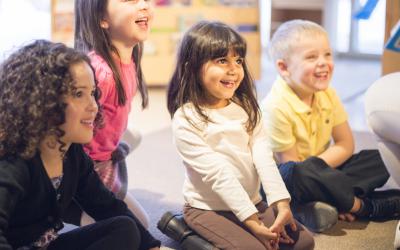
pixel 115 117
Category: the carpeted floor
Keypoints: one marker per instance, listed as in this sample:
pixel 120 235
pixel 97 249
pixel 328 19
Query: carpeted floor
pixel 156 175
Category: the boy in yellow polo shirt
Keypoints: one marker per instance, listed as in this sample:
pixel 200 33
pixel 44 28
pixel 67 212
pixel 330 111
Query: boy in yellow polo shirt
pixel 302 114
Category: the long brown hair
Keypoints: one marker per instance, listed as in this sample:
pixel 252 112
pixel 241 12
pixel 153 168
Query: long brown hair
pixel 203 42
pixel 90 36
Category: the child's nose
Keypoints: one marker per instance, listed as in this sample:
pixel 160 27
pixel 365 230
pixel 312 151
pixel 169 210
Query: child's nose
pixel 93 107
pixel 232 69
pixel 322 61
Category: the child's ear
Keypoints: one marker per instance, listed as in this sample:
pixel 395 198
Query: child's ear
pixel 104 24
pixel 282 67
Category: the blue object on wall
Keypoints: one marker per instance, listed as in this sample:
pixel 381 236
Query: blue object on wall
pixel 394 40
pixel 366 10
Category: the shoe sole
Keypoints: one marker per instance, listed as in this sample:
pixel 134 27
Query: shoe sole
pixel 322 218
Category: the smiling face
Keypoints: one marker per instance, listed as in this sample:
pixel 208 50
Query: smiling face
pixel 220 78
pixel 128 22
pixel 310 65
pixel 81 107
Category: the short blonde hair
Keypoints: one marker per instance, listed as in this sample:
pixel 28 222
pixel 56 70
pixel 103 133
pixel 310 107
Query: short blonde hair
pixel 287 35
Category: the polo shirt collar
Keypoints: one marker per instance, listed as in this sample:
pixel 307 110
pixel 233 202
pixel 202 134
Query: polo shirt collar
pixel 291 98
pixel 298 105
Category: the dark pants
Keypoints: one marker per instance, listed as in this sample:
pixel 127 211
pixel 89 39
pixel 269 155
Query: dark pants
pixel 115 233
pixel 314 180
pixel 225 231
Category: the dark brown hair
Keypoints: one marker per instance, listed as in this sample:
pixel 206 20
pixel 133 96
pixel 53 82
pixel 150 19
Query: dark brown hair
pixel 33 82
pixel 203 42
pixel 90 36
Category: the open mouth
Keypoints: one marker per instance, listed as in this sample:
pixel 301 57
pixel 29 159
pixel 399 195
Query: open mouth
pixel 322 75
pixel 228 83
pixel 142 21
pixel 88 123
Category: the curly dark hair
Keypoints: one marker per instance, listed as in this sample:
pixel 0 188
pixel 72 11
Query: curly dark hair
pixel 33 81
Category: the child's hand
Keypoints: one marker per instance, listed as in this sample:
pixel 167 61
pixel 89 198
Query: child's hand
pixel 154 248
pixel 283 218
pixel 268 238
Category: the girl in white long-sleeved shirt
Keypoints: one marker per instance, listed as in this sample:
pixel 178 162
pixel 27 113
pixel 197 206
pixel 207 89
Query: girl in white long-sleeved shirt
pixel 219 135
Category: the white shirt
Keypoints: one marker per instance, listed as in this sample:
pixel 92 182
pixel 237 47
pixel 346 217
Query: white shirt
pixel 224 164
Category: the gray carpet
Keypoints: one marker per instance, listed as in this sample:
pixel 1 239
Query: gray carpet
pixel 156 175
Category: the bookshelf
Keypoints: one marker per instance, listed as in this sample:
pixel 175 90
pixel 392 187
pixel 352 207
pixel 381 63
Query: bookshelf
pixel 171 20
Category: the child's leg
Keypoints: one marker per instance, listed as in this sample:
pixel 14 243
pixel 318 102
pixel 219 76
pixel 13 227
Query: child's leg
pixel 115 233
pixel 301 179
pixel 222 229
pixel 366 170
pixel 303 239
pixel 137 210
pixel 314 180
pixel 132 204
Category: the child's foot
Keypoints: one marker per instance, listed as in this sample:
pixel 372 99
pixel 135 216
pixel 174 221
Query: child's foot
pixel 175 227
pixel 383 205
pixel 347 217
pixel 316 216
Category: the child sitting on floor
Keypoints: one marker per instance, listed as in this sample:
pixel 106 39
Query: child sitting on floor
pixel 302 113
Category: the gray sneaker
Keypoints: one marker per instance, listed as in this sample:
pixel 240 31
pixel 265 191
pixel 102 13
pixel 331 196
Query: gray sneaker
pixel 316 216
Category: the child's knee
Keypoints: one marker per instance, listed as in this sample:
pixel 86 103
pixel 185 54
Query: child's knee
pixel 125 225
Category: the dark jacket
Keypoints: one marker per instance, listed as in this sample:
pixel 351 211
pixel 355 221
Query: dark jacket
pixel 29 205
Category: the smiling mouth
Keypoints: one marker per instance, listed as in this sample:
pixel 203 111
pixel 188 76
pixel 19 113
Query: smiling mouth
pixel 322 75
pixel 228 84
pixel 142 21
pixel 89 122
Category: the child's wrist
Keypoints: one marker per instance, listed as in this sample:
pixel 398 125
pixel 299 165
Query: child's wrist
pixel 252 222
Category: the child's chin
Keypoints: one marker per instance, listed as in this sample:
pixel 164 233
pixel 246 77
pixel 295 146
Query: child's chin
pixel 321 86
pixel 85 140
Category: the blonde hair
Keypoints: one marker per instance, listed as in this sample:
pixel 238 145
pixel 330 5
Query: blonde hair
pixel 288 34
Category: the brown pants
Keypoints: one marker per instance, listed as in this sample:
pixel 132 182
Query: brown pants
pixel 225 231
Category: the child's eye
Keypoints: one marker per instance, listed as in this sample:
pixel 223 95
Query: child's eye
pixel 239 61
pixel 77 94
pixel 311 57
pixel 328 54
pixel 221 60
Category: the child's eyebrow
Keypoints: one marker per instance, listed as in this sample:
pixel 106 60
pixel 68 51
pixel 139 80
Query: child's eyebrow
pixel 82 87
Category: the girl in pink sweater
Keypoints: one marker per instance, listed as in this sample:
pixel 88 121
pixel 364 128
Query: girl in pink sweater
pixel 112 33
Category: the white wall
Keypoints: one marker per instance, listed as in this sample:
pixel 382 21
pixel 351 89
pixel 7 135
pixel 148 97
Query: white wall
pixel 22 21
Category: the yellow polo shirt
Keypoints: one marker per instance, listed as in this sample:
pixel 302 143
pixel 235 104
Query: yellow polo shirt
pixel 290 122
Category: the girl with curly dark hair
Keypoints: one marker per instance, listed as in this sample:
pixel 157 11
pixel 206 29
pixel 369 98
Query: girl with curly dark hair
pixel 112 33
pixel 48 108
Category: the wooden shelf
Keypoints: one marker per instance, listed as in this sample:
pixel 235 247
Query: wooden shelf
pixel 170 22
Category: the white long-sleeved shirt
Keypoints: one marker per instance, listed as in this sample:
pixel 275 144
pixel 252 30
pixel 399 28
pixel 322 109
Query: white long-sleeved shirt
pixel 224 164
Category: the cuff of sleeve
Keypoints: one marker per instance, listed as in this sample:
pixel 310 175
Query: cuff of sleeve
pixel 242 215
pixel 277 197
